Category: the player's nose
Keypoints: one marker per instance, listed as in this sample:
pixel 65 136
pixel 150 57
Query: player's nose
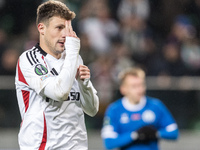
pixel 64 33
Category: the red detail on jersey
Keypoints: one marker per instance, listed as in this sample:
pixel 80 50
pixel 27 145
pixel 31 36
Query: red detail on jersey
pixel 44 60
pixel 136 116
pixel 20 75
pixel 44 138
pixel 25 95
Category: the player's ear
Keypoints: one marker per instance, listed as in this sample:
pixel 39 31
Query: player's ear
pixel 122 89
pixel 41 28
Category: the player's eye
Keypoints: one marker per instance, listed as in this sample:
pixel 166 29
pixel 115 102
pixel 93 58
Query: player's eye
pixel 59 27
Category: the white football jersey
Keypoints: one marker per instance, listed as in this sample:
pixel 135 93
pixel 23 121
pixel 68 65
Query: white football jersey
pixel 47 124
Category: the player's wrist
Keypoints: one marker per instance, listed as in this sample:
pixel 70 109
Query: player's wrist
pixel 85 83
pixel 72 44
pixel 158 134
pixel 134 135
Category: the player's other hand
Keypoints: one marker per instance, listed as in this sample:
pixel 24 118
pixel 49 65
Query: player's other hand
pixel 83 72
pixel 69 30
pixel 146 134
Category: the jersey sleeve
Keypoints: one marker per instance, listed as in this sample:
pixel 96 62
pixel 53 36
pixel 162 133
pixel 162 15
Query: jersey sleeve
pixel 89 98
pixel 110 134
pixel 31 75
pixel 39 79
pixel 59 87
pixel 168 128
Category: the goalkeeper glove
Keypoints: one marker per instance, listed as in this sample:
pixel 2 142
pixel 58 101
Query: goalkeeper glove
pixel 145 134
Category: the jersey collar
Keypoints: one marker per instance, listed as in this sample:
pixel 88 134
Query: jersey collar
pixel 131 107
pixel 40 49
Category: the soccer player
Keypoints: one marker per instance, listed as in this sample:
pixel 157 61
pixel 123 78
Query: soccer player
pixel 136 121
pixel 53 86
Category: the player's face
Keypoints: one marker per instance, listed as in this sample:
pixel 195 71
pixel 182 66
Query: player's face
pixel 54 36
pixel 133 88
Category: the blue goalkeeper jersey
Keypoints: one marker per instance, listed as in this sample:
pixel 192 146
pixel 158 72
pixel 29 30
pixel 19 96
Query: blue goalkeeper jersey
pixel 122 118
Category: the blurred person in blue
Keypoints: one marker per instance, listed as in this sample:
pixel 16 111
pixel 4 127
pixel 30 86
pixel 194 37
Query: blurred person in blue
pixel 137 121
pixel 184 34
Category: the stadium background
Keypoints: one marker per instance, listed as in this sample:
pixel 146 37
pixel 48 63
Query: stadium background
pixel 160 36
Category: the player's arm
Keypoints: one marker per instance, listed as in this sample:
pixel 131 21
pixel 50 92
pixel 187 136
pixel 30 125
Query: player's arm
pixel 112 139
pixel 170 132
pixel 59 87
pixel 109 133
pixel 89 100
pixel 168 127
pixel 54 87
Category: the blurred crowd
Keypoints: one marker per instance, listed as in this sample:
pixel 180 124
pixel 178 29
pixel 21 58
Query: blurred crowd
pixel 161 36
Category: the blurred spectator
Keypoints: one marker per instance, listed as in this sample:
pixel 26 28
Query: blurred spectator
pixel 121 57
pixel 102 79
pixel 182 30
pixel 87 53
pixel 8 62
pixel 172 63
pixel 183 33
pixel 190 54
pixel 74 5
pixel 99 27
pixel 152 53
pixel 3 41
pixel 139 8
pixel 167 63
pixel 169 10
pixel 31 37
pixel 133 15
pixel 135 35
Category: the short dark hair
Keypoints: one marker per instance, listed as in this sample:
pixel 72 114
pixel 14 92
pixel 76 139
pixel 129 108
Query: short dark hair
pixel 51 8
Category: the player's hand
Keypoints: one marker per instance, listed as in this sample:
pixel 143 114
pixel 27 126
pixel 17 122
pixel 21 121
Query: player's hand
pixel 69 30
pixel 83 72
pixel 147 133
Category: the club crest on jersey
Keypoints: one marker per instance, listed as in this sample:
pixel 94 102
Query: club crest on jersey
pixel 148 116
pixel 124 118
pixel 40 70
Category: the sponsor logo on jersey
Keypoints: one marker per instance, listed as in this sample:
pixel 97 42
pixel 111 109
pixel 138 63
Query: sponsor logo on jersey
pixel 148 116
pixel 40 70
pixel 73 96
pixel 45 77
